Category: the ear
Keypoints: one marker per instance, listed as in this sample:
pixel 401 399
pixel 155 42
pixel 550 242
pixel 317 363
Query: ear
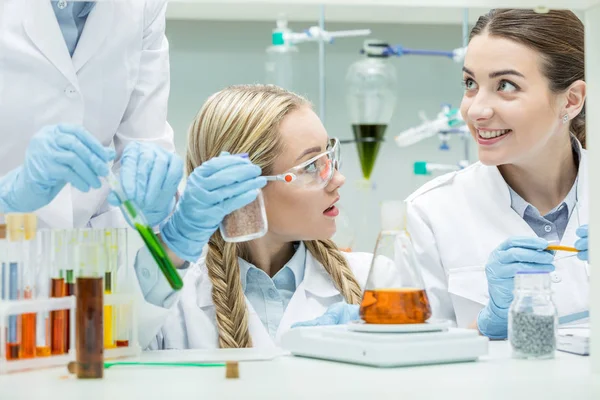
pixel 575 99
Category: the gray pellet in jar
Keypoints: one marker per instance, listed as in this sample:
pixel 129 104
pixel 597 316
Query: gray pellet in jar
pixel 533 335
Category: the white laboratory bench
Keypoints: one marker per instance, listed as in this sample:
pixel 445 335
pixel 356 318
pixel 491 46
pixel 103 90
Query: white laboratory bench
pixel 496 376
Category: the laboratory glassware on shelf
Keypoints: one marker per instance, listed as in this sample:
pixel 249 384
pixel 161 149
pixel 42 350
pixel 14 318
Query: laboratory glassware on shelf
pixel 371 98
pixel 46 264
pixel 447 123
pixel 395 292
pixel 282 55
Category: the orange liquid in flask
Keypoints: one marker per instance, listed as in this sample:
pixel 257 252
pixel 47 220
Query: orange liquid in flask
pixel 395 306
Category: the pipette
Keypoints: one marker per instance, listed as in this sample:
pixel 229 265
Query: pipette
pixel 135 216
pixel 557 247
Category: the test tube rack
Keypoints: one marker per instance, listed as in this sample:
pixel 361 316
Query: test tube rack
pixel 20 307
pixel 120 321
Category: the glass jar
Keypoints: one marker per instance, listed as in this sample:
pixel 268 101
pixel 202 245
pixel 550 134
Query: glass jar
pixel 247 223
pixel 532 317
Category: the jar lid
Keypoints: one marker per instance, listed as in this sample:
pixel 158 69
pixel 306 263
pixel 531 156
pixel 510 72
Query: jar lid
pixel 532 272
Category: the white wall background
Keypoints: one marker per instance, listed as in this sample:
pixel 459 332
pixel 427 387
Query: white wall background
pixel 206 56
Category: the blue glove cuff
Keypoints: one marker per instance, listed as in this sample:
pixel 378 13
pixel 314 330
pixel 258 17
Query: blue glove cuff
pixel 490 325
pixel 184 248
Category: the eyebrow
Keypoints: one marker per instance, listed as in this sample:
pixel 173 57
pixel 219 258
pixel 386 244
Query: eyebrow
pixel 309 151
pixel 497 73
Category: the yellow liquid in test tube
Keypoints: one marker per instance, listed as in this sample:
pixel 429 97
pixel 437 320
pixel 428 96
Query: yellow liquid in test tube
pixel 108 314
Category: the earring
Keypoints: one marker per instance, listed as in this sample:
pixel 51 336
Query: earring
pixel 565 118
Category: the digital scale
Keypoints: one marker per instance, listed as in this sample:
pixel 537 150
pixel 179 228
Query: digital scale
pixel 387 345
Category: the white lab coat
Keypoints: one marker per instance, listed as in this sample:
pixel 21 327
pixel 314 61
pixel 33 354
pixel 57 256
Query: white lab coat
pixel 190 322
pixel 116 85
pixel 458 219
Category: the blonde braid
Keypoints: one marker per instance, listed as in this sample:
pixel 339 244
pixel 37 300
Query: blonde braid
pixel 334 262
pixel 227 294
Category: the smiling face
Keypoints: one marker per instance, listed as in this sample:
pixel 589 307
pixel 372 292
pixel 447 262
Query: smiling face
pixel 508 105
pixel 294 211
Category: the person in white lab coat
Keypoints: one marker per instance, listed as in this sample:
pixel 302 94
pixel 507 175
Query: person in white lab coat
pixel 248 294
pixel 77 79
pixel 475 229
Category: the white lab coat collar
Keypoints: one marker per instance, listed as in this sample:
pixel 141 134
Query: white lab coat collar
pixel 316 281
pixel 44 31
pixel 98 25
pixel 499 188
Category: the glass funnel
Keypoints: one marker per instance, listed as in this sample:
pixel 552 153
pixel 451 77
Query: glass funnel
pixel 371 99
pixel 395 291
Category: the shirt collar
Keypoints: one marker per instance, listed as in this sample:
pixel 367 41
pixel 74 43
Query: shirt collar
pixel 85 7
pixel 297 264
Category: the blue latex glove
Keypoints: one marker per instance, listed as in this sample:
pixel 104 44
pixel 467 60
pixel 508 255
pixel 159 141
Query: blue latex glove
pixel 215 189
pixel 582 244
pixel 56 155
pixel 516 254
pixel 149 176
pixel 337 314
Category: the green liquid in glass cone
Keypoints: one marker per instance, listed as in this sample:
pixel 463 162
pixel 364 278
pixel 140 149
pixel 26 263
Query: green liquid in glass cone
pixel 368 150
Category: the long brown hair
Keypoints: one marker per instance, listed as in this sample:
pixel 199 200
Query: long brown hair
pixel 557 35
pixel 245 119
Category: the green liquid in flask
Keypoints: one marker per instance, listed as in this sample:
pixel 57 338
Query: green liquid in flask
pixel 156 250
pixel 368 140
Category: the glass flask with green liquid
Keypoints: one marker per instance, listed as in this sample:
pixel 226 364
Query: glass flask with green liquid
pixel 371 99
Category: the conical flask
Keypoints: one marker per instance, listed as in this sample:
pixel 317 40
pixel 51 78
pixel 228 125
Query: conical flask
pixel 371 99
pixel 395 292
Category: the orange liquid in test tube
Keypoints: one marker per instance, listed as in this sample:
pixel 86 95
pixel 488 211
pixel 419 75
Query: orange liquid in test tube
pixel 27 330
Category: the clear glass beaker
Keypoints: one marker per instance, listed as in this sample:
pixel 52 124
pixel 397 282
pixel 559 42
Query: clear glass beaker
pixel 532 316
pixel 282 55
pixel 395 291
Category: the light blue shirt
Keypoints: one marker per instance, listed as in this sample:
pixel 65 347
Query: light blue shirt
pixel 551 226
pixel 71 20
pixel 268 296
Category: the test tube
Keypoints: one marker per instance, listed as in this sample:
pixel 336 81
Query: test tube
pixel 103 237
pixel 135 216
pixel 123 325
pixel 58 318
pixel 14 226
pixel 72 238
pixel 89 290
pixel 43 260
pixel 3 280
pixel 70 267
pixel 28 321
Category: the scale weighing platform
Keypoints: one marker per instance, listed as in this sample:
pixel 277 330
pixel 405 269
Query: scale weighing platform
pixel 387 345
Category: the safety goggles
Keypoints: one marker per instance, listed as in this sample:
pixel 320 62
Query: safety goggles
pixel 315 173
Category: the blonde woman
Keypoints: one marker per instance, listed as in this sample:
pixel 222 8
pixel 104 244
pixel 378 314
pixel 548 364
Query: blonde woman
pixel 249 294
